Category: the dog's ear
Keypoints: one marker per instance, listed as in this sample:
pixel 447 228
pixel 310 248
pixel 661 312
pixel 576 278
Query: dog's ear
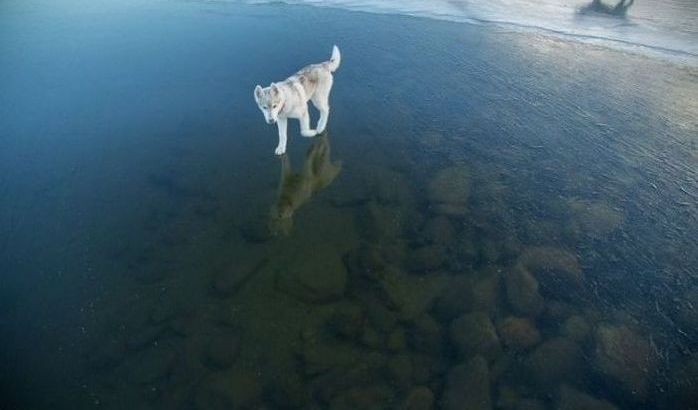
pixel 274 90
pixel 257 93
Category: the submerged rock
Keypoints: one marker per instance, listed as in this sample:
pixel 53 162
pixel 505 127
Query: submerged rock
pixel 522 292
pixel 427 258
pixel 372 338
pixel 348 320
pixel 390 186
pixel 572 399
pixel 400 369
pixel 486 290
pixel 288 391
pixel 256 229
pixel 596 219
pixel 557 311
pixel 320 357
pixel 556 270
pixel 624 358
pixel 366 370
pixel 317 278
pixel 449 191
pixel 554 360
pixel 468 386
pixel 576 328
pixel 107 353
pixel 153 364
pixel 230 279
pixel 424 368
pixel 185 325
pixel 419 398
pixel 397 340
pixel 380 316
pixel 519 333
pixel 507 397
pixel 466 293
pixel 411 295
pixel 145 336
pixel 474 334
pixel 425 335
pixel 530 404
pixel 165 309
pixel 222 349
pixel 455 299
pixel 227 390
pixel 438 230
pixel 364 261
pixel 369 398
pixel 383 224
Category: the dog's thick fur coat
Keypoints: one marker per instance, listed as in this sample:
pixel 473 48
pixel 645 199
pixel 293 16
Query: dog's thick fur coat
pixel 289 98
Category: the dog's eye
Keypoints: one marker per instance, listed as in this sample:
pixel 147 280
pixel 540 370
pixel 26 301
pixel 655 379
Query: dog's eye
pixel 274 106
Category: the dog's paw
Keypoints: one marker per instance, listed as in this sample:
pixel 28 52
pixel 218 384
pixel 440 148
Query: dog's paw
pixel 320 130
pixel 280 150
pixel 309 133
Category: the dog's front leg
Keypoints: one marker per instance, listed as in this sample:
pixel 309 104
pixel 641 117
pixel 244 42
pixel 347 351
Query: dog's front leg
pixel 281 148
pixel 322 122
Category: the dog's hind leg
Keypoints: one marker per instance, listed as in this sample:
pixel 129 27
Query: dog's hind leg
pixel 324 114
pixel 321 101
pixel 305 125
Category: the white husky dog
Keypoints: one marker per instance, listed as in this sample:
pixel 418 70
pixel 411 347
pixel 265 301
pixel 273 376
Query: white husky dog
pixel 289 98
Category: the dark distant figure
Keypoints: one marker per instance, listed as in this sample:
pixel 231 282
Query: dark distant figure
pixel 619 10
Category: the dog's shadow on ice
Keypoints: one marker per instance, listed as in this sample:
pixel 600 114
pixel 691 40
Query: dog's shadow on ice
pixel 295 189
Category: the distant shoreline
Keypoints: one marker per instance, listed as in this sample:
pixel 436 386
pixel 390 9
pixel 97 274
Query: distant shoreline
pixel 673 55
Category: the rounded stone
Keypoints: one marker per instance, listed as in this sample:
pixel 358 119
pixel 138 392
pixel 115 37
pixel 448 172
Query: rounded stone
pixel 348 320
pixel 595 219
pixel 474 334
pixel 556 270
pixel 468 386
pixel 438 230
pixel 427 258
pixel 419 398
pixel 576 328
pixel 400 369
pixel 227 390
pixel 572 399
pixel 519 333
pixel 449 191
pixel 317 278
pixel 624 358
pixel 522 292
pixel 397 340
pixel 221 350
pixel 557 359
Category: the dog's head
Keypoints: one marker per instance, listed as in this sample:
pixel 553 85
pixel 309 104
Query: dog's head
pixel 270 100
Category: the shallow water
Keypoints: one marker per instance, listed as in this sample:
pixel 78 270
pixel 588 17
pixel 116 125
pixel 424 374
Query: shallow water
pixel 494 219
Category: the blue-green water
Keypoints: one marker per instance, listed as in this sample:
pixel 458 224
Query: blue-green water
pixel 493 220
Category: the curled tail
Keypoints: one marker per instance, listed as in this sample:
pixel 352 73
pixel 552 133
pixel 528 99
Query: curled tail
pixel 336 58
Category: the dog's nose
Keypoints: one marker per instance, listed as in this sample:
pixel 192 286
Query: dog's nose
pixel 271 121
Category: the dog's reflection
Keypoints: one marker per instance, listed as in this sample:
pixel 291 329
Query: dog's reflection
pixel 596 6
pixel 296 188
